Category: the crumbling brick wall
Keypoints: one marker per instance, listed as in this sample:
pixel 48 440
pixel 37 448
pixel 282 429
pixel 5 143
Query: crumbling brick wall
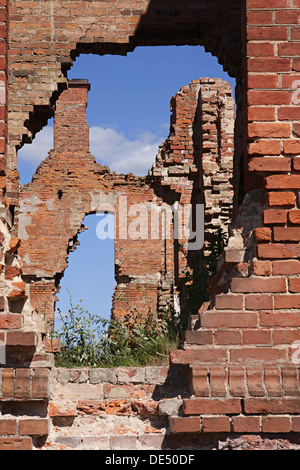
pixel 69 185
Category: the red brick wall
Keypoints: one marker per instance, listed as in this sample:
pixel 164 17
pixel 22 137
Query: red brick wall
pixel 45 39
pixel 253 328
pixel 69 185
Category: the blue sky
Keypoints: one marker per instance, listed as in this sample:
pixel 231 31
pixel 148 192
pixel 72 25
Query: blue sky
pixel 128 113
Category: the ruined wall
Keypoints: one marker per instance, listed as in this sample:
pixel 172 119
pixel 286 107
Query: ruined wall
pixel 252 330
pixel 69 185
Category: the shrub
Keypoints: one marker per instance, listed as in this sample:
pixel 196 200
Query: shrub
pixel 136 340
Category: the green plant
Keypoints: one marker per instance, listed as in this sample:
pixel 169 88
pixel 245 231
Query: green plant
pixel 139 340
pixel 79 337
pixel 196 279
pixel 135 340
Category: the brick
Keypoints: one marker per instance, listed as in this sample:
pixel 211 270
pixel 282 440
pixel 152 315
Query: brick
pixel 257 355
pixel 282 182
pixel 216 424
pixel 218 381
pixel 288 113
pixel 275 216
pixel 10 321
pixel 227 301
pixel 274 250
pixel 290 234
pixel 276 424
pixel 292 147
pixel 262 234
pixel 272 4
pixel 198 337
pixel 296 65
pixel 258 80
pixel 248 424
pixel 198 378
pixel 187 424
pixel 260 49
pixel 281 199
pixel 272 377
pixel 258 336
pixel 259 17
pixel 296 133
pixel 260 98
pixel 145 407
pixel 295 427
pixel 40 385
pixel 294 216
pixel 269 64
pixel 255 381
pixel 272 405
pixel 287 301
pixel 227 319
pixel 237 384
pixel 118 391
pixel 228 337
pixel 258 285
pixel 290 381
pixel 260 113
pixel 271 33
pixel 15 443
pixel 269 164
pixel 198 356
pixel 123 442
pixel 65 409
pixel 152 442
pixel 287 17
pixel 131 374
pixel 294 284
pixel 34 426
pixel 21 338
pixel 286 335
pixel 12 271
pixel 7 386
pixel 289 319
pixel 23 383
pixel 289 49
pixel 264 147
pixel 261 268
pixel 289 267
pixel 84 407
pixel 214 406
pixel 8 426
pixel 14 244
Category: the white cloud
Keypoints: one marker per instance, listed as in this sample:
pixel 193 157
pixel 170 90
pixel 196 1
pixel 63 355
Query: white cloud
pixel 38 150
pixel 107 145
pixel 122 155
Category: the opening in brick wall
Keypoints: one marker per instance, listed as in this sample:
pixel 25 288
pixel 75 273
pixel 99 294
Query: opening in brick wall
pixel 125 142
pixel 89 277
pixel 128 104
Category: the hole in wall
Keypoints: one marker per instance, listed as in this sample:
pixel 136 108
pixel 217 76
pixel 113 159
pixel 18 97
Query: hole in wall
pixel 90 272
pixel 128 114
pixel 128 105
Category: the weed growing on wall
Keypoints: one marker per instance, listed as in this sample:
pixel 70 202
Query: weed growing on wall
pixel 136 340
pixel 196 280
